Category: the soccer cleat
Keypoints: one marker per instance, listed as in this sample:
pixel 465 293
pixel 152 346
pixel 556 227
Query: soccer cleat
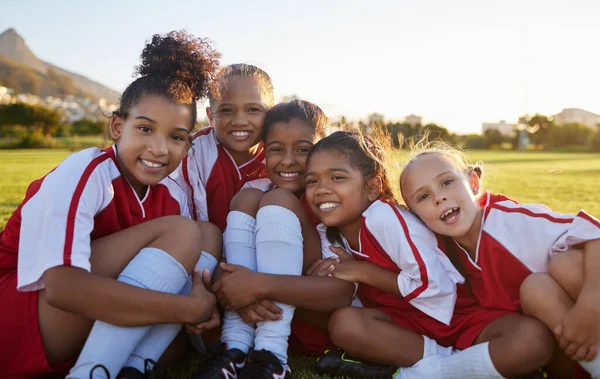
pixel 221 364
pixel 263 364
pixel 339 363
pixel 100 367
pixel 150 370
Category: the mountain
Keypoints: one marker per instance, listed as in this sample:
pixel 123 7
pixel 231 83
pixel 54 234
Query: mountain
pixel 22 70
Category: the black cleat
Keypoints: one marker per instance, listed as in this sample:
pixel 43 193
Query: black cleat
pixel 339 363
pixel 221 364
pixel 150 370
pixel 99 368
pixel 263 364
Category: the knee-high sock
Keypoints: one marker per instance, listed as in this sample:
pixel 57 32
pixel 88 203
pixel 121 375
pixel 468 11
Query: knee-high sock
pixel 239 242
pixel 474 362
pixel 279 250
pixel 160 337
pixel 111 345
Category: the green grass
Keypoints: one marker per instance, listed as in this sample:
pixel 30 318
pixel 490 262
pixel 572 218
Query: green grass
pixel 565 182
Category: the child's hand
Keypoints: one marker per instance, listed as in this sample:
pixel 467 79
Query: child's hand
pixel 212 322
pixel 200 291
pixel 322 267
pixel 348 270
pixel 341 253
pixel 238 289
pixel 579 332
pixel 262 310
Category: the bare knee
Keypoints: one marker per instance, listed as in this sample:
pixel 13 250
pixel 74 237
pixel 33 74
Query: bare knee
pixel 283 198
pixel 344 325
pixel 539 339
pixel 211 239
pixel 247 201
pixel 567 269
pixel 181 238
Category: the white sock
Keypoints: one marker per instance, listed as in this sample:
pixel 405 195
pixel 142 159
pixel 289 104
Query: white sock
pixel 160 337
pixel 593 367
pixel 431 347
pixel 111 345
pixel 239 242
pixel 474 362
pixel 279 250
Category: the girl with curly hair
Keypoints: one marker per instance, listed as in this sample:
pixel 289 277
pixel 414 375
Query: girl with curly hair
pixel 89 257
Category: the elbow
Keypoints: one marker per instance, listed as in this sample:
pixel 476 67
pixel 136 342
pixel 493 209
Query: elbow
pixel 57 289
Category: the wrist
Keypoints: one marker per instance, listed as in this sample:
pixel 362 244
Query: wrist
pixel 197 308
pixel 262 286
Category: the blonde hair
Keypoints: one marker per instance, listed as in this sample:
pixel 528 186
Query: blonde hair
pixel 454 155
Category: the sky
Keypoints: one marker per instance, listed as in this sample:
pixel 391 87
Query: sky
pixel 457 63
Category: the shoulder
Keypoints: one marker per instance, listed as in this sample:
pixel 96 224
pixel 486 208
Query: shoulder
pixel 505 209
pixel 384 215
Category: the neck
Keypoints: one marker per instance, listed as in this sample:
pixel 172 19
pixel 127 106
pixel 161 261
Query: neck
pixel 351 233
pixel 241 157
pixel 469 240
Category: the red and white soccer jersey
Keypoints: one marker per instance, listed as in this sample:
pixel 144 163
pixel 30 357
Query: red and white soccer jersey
pixel 397 240
pixel 516 240
pixel 85 198
pixel 211 177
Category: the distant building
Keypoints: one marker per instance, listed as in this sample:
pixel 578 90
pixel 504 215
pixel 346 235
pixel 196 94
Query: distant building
pixel 503 127
pixel 374 118
pixel 413 120
pixel 579 116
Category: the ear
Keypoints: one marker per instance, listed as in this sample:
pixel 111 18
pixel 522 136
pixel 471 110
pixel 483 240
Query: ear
pixel 116 127
pixel 209 116
pixel 374 188
pixel 474 182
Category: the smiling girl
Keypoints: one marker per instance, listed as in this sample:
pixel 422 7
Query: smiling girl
pixel 90 240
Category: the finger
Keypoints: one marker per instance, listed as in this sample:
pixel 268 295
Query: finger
pixel 265 314
pixel 193 329
pixel 571 349
pixel 250 316
pixel 228 267
pixel 581 353
pixel 206 279
pixel 217 286
pixel 592 352
pixel 322 265
pixel 337 251
pixel 312 267
pixel 210 324
pixel 196 277
pixel 268 304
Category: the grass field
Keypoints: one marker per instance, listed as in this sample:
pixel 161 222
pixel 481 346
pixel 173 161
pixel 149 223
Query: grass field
pixel 565 182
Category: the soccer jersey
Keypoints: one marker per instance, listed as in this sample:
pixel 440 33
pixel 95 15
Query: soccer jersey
pixel 516 240
pixel 211 178
pixel 84 198
pixel 396 240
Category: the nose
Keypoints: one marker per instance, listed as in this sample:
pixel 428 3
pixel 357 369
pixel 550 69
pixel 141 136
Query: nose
pixel 289 158
pixel 158 146
pixel 322 189
pixel 440 199
pixel 239 119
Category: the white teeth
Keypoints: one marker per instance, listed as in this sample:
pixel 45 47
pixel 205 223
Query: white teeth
pixel 151 164
pixel 290 174
pixel 241 133
pixel 442 217
pixel 327 206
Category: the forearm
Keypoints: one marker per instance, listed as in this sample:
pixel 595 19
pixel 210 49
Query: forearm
pixel 378 277
pixel 590 290
pixel 322 294
pixel 100 298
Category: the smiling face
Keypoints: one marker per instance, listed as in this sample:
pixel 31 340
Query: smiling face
pixel 238 117
pixel 337 191
pixel 151 141
pixel 442 195
pixel 286 149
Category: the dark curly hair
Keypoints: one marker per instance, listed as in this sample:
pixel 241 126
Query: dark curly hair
pixel 367 154
pixel 177 66
pixel 240 70
pixel 303 111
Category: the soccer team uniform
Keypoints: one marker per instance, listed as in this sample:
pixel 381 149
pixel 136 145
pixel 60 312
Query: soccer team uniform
pixel 434 300
pixel 85 198
pixel 211 178
pixel 516 240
